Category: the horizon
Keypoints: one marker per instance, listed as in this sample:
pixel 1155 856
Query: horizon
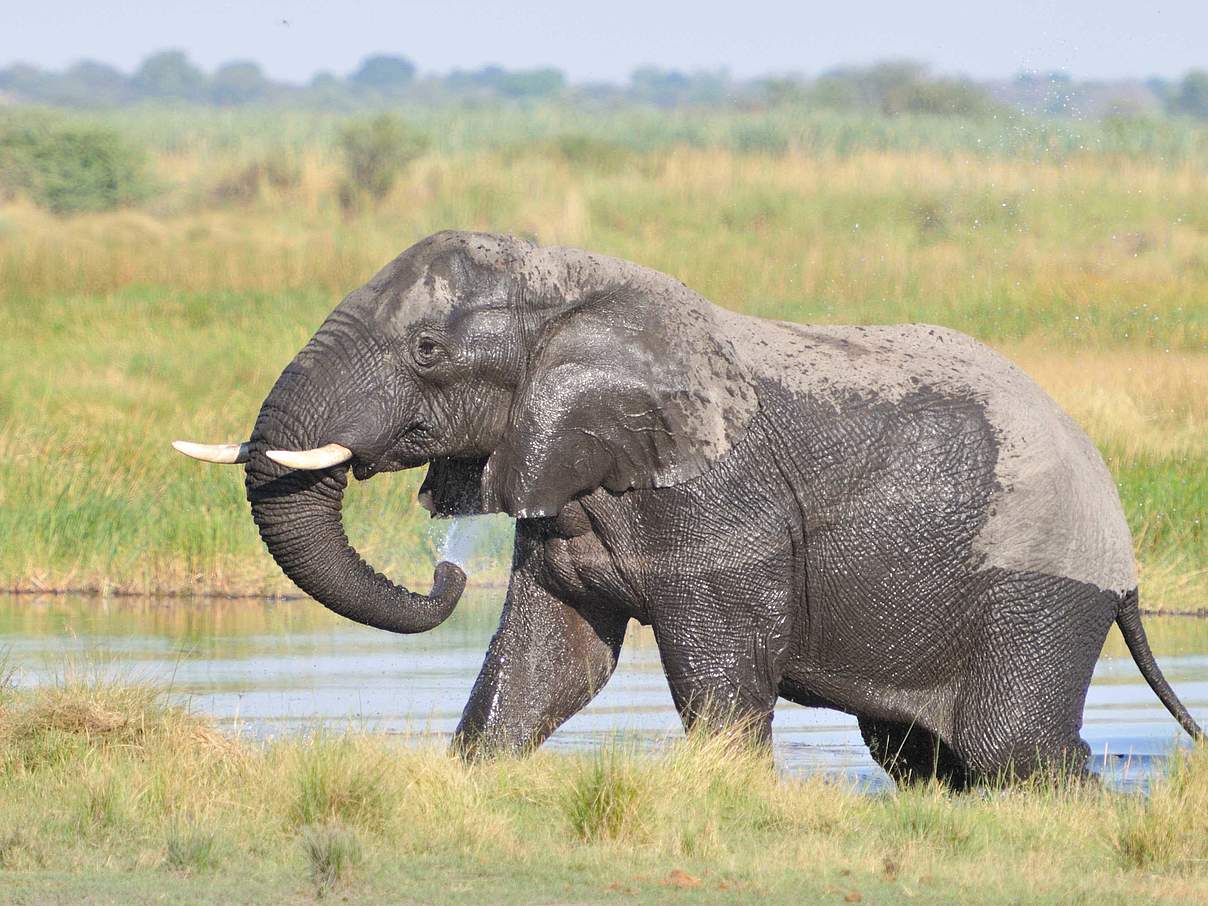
pixel 292 42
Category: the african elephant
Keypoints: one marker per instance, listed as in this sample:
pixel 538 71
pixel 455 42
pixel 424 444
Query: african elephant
pixel 893 521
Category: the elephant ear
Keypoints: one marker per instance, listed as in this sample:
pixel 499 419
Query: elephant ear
pixel 626 391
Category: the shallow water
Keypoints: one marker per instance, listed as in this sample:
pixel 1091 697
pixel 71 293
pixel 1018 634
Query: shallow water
pixel 273 668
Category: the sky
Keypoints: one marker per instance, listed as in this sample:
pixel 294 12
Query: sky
pixel 607 39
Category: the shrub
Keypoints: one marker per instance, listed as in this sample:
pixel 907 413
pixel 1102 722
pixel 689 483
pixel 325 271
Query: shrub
pixel 597 154
pixel 375 152
pixel 102 804
pixel 188 848
pixel 247 183
pixel 335 781
pixel 606 799
pixel 332 852
pixel 12 843
pixel 69 168
pixel 926 815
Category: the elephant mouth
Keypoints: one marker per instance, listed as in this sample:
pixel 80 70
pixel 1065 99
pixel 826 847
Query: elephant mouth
pixel 363 470
pixel 400 454
pixel 453 487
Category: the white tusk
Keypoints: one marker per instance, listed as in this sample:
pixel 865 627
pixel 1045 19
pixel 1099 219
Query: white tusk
pixel 319 458
pixel 224 454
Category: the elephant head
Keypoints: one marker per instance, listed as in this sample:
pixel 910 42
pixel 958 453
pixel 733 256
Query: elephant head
pixel 522 376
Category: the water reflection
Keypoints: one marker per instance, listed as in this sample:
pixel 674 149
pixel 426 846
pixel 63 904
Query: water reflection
pixel 273 668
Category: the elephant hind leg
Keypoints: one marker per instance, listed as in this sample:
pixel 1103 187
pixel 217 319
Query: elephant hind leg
pixel 1019 712
pixel 911 755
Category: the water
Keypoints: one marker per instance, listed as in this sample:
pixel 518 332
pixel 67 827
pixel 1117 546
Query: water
pixel 268 669
pixel 465 539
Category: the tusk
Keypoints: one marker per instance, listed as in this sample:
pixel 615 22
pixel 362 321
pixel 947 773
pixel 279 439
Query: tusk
pixel 224 454
pixel 319 458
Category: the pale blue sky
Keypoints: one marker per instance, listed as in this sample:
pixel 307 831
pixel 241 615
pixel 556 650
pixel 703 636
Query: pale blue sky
pixel 608 38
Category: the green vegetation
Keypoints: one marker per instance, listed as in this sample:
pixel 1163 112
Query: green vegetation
pixel 106 791
pixel 375 153
pixel 69 168
pixel 122 330
pixel 775 130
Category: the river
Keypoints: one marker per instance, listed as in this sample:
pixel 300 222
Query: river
pixel 266 669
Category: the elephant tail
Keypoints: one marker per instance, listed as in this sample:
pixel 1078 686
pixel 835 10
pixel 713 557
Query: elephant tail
pixel 1128 618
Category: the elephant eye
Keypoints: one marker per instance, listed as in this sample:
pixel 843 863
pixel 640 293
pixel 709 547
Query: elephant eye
pixel 427 350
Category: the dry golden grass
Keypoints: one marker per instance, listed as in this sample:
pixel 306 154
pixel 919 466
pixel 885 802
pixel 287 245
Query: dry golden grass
pixel 91 804
pixel 1133 402
pixel 1000 248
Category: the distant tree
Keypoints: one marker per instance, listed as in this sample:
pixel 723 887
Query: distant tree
pixel 542 82
pixel 328 90
pixel 384 73
pixel 900 86
pixel 940 97
pixel 485 78
pixel 781 92
pixel 662 86
pixel 511 83
pixel 670 87
pixel 837 92
pixel 888 85
pixel 90 82
pixel 375 152
pixel 325 81
pixel 25 81
pixel 238 83
pixel 1191 96
pixel 169 74
pixel 83 84
pixel 1161 88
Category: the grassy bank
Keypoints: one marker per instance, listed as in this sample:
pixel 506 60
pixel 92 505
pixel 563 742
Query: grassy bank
pixel 121 331
pixel 107 792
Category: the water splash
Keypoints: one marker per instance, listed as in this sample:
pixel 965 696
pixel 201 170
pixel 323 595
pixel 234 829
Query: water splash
pixel 464 539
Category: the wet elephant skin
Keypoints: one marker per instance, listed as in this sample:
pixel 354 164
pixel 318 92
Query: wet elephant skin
pixel 892 521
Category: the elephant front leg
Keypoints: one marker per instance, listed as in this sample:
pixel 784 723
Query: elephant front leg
pixel 723 658
pixel 545 663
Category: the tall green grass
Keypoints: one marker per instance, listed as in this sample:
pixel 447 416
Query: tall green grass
pixel 108 793
pixel 777 130
pixel 122 331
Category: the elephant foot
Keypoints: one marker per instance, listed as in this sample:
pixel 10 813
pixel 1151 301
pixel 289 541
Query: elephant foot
pixel 911 755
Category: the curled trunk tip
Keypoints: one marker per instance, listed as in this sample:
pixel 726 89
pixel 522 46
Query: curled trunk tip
pixel 298 514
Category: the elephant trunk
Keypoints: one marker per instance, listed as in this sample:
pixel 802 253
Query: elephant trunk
pixel 298 515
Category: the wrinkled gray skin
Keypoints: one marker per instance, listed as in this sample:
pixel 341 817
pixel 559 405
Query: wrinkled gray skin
pixel 892 521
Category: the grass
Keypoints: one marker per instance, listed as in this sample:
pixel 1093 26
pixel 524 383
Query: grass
pixel 1087 263
pixel 109 793
pixel 586 132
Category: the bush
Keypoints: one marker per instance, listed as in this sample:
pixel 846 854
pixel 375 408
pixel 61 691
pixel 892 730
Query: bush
pixel 336 782
pixel 188 848
pixel 896 88
pixel 68 168
pixel 605 799
pixel 375 152
pixel 332 852
pixel 247 183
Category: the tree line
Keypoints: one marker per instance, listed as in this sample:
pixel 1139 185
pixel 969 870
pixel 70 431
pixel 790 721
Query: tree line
pixel 889 88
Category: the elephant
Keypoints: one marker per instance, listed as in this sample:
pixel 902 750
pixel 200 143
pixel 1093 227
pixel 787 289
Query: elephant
pixel 891 521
